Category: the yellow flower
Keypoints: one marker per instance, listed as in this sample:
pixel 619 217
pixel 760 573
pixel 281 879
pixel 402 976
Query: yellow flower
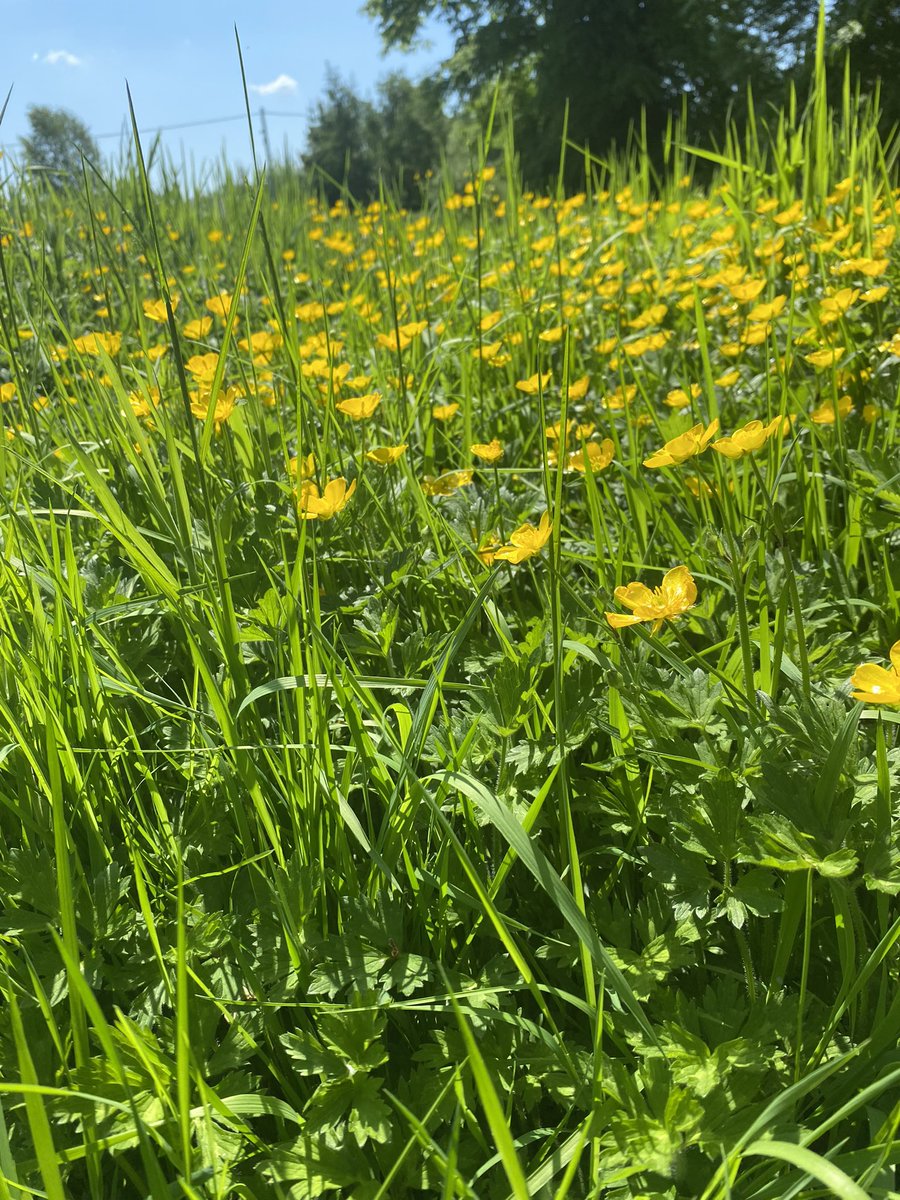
pixel 697 487
pixel 202 366
pixel 767 312
pixel 729 378
pixel 155 310
pixel 825 415
pixel 142 406
pixel 554 432
pixel 753 436
pixel 748 291
pixel 870 267
pixel 679 398
pixel 224 405
pixel 683 447
pixel 641 346
pixel 391 341
pixel 526 541
pixel 873 295
pixel 91 343
pixel 444 412
pixel 197 329
pixel 360 408
pixel 552 335
pixel 446 484
pixel 304 467
pixel 219 305
pixel 385 455
pixel 674 596
pixel 316 505
pixel 578 388
pixel 835 305
pixel 874 685
pixel 599 456
pixel 487 551
pixel 533 384
pixel 490 452
pixel 825 358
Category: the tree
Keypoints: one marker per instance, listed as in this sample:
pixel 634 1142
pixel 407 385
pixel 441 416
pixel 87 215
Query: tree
pixel 412 133
pixel 610 59
pixel 354 142
pixel 340 141
pixel 56 143
pixel 870 31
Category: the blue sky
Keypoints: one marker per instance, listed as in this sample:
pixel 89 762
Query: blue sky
pixel 181 63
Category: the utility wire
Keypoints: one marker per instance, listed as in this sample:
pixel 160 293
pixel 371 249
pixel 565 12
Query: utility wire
pixel 206 121
pixel 149 129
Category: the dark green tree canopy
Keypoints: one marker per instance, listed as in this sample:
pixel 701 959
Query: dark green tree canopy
pixel 55 144
pixel 614 59
pixel 353 142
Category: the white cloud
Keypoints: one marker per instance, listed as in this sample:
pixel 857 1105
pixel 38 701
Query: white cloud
pixel 283 83
pixel 55 57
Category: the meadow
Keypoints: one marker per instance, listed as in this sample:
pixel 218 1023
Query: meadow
pixel 448 712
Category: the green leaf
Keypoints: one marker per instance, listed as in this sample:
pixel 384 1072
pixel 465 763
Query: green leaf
pixel 813 1165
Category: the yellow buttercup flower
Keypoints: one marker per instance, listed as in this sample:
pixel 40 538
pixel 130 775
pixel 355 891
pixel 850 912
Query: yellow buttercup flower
pixel 679 398
pixel 155 310
pixel 599 455
pixel 578 388
pixel 825 358
pixel 834 306
pixel 753 436
pixel 198 328
pixel 91 343
pixel 304 467
pixel 533 384
pixel 526 541
pixel 385 455
pixel 202 366
pixel 487 551
pixel 674 596
pixel 219 305
pixel 683 447
pixel 446 484
pixel 873 295
pixel 490 452
pixel 874 685
pixel 322 506
pixel 225 402
pixel 360 408
pixel 444 412
pixel 824 414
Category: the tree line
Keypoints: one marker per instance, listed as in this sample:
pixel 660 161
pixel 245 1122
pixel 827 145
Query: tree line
pixel 602 67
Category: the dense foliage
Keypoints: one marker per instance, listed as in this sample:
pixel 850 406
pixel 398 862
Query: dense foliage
pixel 54 146
pixel 369 826
pixel 355 146
pixel 601 71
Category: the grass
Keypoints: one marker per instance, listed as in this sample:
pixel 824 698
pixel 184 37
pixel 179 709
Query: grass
pixel 346 855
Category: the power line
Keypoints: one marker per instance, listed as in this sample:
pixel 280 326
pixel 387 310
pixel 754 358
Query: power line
pixel 149 129
pixel 206 121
